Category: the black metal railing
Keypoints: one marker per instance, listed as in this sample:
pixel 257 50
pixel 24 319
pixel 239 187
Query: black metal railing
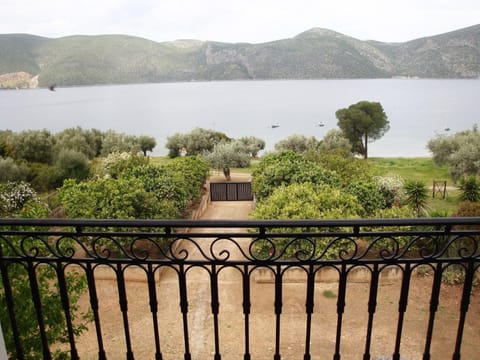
pixel 273 289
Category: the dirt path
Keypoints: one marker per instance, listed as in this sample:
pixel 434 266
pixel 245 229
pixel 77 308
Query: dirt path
pixel 262 318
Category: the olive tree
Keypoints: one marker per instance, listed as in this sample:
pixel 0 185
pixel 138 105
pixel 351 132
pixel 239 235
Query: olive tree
pixel 297 143
pixel 146 143
pixel 252 144
pixel 362 123
pixel 35 146
pixel 335 142
pixel 119 142
pixel 195 142
pixel 226 155
pixel 460 151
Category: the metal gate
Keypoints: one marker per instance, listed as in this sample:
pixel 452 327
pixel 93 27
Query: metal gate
pixel 231 191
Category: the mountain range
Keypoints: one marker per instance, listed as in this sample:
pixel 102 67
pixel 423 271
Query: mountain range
pixel 28 61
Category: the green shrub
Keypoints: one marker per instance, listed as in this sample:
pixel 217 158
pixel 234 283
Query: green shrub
pixel 305 201
pixel 470 188
pixel 288 168
pixel 44 177
pixel 368 195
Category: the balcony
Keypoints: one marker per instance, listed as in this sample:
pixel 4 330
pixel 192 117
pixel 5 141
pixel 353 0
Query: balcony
pixel 177 289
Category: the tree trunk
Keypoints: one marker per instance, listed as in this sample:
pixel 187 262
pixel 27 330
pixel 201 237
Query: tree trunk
pixel 365 148
pixel 226 172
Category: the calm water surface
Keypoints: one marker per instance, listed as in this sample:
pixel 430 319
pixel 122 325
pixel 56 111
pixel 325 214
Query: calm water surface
pixel 417 109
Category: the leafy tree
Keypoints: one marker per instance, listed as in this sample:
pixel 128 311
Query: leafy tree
pixel 287 168
pixel 228 154
pixel 74 164
pixel 7 148
pixel 52 309
pixel 362 123
pixel 335 142
pixel 470 188
pixel 252 144
pixel 75 139
pixel 196 141
pixel 297 143
pixel 460 152
pixel 416 195
pixel 114 142
pixel 35 146
pixel 11 171
pixel 146 143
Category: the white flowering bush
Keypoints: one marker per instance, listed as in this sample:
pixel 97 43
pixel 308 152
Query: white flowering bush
pixel 14 195
pixel 392 188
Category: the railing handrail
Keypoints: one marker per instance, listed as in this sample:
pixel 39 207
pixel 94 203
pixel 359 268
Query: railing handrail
pixel 447 221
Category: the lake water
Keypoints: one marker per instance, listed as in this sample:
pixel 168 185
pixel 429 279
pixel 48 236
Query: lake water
pixel 417 109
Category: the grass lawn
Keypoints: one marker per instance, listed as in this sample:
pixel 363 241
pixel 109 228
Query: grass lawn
pixel 421 168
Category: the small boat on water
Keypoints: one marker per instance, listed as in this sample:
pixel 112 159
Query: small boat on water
pixel 274 126
pixel 321 124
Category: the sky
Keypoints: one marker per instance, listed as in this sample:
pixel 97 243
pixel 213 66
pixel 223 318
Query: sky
pixel 253 21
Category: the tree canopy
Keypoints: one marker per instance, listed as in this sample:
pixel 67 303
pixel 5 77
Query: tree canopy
pixel 195 142
pixel 460 151
pixel 362 123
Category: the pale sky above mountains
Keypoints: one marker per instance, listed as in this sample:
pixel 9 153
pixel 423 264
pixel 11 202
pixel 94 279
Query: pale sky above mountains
pixel 253 21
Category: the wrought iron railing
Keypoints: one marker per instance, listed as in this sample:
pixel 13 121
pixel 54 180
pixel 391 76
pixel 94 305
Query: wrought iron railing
pixel 268 289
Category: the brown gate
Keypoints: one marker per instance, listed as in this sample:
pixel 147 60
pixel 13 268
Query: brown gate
pixel 231 191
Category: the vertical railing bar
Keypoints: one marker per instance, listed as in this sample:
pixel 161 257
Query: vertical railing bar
pixel 278 310
pixel 372 306
pixel 342 289
pixel 402 308
pixel 246 310
pixel 38 309
pixel 465 303
pixel 122 299
pixel 10 306
pixel 309 305
pixel 66 308
pixel 152 292
pixel 92 289
pixel 434 301
pixel 182 286
pixel 215 310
